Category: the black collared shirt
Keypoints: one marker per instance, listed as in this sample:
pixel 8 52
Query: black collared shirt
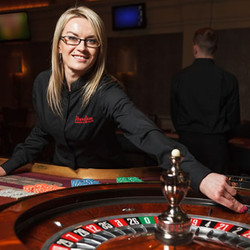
pixel 205 99
pixel 85 138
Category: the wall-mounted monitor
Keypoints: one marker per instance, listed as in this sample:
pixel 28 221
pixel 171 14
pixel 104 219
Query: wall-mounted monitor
pixel 14 26
pixel 131 16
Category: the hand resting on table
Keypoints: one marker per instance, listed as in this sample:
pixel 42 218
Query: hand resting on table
pixel 217 187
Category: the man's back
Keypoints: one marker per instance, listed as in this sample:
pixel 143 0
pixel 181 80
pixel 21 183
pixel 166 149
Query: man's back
pixel 205 104
pixel 204 99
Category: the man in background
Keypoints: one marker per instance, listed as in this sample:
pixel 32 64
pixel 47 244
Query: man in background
pixel 205 104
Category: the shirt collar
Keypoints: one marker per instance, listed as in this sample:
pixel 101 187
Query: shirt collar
pixel 76 85
pixel 204 60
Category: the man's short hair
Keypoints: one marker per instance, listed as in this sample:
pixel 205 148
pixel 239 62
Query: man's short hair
pixel 206 39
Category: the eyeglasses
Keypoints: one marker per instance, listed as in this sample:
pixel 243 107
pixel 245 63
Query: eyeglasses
pixel 73 40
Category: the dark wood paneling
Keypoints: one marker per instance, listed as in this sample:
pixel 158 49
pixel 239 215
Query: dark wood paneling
pixel 234 55
pixel 158 58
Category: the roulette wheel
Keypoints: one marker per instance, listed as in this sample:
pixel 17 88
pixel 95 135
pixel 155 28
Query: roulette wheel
pixel 144 215
pixel 116 216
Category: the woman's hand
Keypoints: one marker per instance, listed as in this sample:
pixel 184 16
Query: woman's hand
pixel 2 172
pixel 217 187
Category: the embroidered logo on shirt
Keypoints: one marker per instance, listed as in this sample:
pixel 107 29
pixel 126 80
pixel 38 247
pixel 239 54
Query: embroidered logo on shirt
pixel 84 120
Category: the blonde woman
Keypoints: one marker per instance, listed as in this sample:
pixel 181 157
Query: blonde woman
pixel 80 106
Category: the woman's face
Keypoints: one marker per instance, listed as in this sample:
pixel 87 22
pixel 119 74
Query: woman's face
pixel 78 59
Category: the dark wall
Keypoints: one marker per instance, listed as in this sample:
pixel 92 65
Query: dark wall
pixel 234 55
pixel 157 58
pixel 36 58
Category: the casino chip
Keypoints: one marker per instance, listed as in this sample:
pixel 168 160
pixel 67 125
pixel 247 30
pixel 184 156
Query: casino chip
pixel 83 182
pixel 14 193
pixel 128 179
pixel 40 188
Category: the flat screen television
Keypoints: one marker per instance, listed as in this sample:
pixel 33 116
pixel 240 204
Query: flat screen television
pixel 130 16
pixel 14 26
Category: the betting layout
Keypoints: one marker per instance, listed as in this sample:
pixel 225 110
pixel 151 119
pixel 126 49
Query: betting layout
pixel 91 234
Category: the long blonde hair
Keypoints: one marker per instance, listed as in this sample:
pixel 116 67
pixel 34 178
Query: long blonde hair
pixel 57 76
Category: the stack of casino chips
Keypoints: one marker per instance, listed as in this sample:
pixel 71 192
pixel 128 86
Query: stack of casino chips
pixel 40 188
pixel 128 179
pixel 83 182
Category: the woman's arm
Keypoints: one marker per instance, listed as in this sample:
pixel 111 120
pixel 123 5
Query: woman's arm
pixel 26 152
pixel 146 136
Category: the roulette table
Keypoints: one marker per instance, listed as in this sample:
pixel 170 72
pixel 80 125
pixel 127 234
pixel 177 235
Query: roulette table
pixel 118 216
